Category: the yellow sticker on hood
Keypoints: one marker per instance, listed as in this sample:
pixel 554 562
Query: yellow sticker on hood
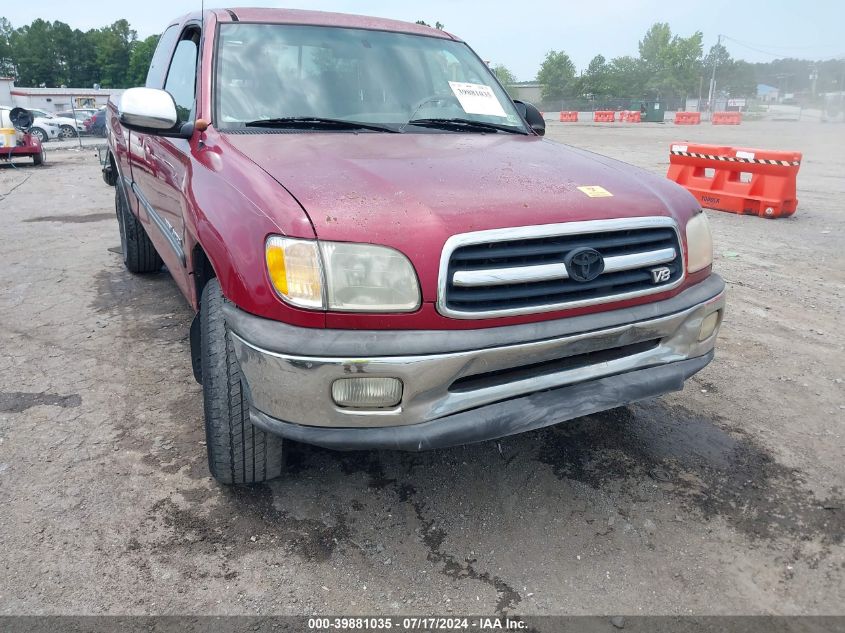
pixel 594 191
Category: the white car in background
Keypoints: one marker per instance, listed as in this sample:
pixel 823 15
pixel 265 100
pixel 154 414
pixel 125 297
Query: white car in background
pixel 68 126
pixel 44 129
pixel 81 115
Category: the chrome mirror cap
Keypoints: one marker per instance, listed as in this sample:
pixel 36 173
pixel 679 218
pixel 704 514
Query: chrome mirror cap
pixel 148 108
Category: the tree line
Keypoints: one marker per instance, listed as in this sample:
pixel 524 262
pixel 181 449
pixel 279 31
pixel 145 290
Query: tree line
pixel 673 67
pixel 53 54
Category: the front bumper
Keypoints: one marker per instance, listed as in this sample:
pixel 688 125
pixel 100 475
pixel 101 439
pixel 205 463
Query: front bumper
pixel 465 386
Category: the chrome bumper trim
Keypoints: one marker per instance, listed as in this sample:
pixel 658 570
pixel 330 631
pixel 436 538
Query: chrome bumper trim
pixel 297 388
pixel 526 413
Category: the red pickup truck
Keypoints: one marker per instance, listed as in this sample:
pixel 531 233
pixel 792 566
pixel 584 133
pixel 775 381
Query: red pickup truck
pixel 382 249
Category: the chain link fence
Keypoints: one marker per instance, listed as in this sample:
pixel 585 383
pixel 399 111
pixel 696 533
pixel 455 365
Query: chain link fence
pixel 608 103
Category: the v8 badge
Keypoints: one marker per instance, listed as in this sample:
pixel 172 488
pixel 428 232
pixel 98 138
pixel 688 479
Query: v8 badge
pixel 659 275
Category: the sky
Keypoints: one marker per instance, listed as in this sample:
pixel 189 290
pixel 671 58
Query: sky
pixel 519 34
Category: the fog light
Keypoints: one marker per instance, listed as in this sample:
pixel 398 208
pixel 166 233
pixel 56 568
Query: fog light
pixel 367 393
pixel 708 326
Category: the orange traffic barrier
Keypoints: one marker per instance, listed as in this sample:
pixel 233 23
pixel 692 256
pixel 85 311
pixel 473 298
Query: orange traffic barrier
pixel 604 116
pixel 630 116
pixel 568 117
pixel 726 118
pixel 738 180
pixel 687 118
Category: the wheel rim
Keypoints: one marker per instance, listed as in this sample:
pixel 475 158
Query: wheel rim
pixel 66 132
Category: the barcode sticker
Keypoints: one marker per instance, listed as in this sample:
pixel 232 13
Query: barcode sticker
pixel 477 99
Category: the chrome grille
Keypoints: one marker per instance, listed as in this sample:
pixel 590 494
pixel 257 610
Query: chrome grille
pixel 522 270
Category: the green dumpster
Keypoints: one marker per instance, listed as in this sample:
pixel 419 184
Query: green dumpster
pixel 653 111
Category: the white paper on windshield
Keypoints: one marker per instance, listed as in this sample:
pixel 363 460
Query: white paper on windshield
pixel 477 98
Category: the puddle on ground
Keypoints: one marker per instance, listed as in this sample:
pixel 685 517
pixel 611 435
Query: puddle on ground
pixel 718 472
pixel 139 297
pixel 74 219
pixel 18 401
pixel 244 519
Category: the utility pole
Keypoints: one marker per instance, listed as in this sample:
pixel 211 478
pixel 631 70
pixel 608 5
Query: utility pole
pixel 713 77
pixel 814 77
pixel 700 86
pixel 842 90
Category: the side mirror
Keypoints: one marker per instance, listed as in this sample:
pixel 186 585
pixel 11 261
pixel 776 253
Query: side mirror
pixel 151 111
pixel 532 116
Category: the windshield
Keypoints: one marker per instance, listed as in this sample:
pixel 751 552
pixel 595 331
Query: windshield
pixel 274 71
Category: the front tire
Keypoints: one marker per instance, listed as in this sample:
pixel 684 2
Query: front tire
pixel 67 132
pixel 40 158
pixel 238 452
pixel 139 254
pixel 40 134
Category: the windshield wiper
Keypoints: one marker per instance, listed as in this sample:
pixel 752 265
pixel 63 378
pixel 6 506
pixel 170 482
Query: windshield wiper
pixel 465 124
pixel 317 123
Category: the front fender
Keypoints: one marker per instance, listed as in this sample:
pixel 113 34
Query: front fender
pixel 228 215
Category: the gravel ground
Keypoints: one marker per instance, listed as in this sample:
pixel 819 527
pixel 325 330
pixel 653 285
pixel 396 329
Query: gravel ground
pixel 725 498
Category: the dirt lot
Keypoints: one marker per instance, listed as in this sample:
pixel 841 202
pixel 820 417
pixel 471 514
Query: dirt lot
pixel 725 498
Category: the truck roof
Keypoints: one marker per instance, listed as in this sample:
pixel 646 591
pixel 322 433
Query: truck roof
pixel 324 18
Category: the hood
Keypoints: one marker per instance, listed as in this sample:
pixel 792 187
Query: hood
pixel 414 191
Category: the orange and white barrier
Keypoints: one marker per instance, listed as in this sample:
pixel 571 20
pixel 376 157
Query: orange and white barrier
pixel 604 116
pixel 737 180
pixel 726 118
pixel 630 116
pixel 687 118
pixel 568 117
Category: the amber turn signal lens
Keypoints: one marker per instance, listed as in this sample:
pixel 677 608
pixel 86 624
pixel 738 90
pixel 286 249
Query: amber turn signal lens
pixel 276 267
pixel 294 270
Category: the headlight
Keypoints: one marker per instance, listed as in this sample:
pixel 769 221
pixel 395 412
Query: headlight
pixel 699 243
pixel 367 278
pixel 341 276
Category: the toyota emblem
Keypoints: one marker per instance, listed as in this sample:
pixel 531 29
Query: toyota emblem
pixel 584 264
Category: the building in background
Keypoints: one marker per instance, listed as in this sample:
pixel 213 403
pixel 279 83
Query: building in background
pixel 529 91
pixel 767 93
pixel 6 84
pixel 53 99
